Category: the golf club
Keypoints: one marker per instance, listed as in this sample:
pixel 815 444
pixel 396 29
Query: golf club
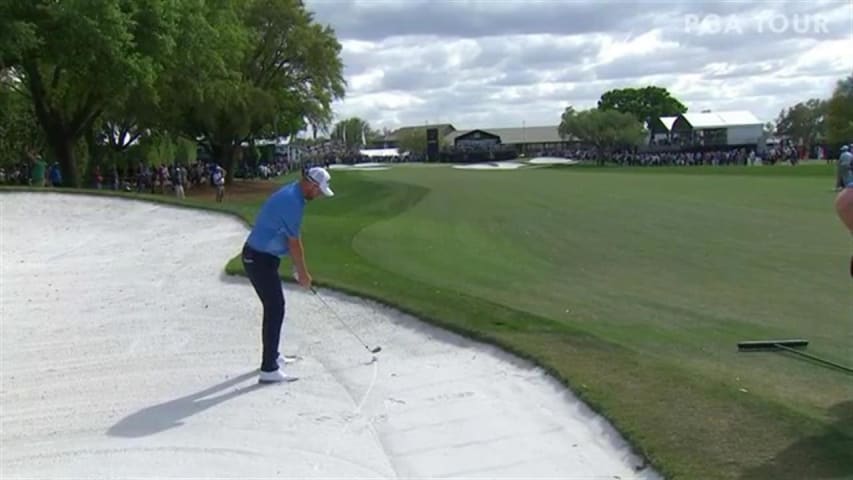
pixel 371 350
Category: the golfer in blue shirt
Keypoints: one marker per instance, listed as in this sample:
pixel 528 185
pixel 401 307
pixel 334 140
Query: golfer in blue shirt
pixel 276 233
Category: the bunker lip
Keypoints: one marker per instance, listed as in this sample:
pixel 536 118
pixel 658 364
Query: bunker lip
pixel 152 367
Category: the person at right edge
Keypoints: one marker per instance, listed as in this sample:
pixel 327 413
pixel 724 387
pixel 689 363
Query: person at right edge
pixel 276 233
pixel 844 199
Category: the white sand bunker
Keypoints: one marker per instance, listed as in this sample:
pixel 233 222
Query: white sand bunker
pixel 552 161
pixel 503 165
pixel 125 352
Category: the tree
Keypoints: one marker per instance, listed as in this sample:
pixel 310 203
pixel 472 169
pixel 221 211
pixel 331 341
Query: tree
pixel 414 140
pixel 354 132
pixel 605 129
pixel 839 113
pixel 281 72
pixel 119 127
pixel 78 58
pixel 644 103
pixel 20 135
pixel 804 122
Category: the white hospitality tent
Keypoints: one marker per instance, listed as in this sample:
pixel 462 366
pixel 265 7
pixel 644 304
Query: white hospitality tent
pixel 735 127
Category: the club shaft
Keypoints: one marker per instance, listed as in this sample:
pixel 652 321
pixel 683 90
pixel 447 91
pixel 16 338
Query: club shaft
pixel 335 314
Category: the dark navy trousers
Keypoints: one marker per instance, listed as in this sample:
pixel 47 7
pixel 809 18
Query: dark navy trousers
pixel 262 269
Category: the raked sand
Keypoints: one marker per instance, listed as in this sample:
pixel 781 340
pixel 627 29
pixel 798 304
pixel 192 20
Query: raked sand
pixel 127 353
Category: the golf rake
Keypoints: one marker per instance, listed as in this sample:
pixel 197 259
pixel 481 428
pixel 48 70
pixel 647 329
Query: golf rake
pixel 789 346
pixel 373 350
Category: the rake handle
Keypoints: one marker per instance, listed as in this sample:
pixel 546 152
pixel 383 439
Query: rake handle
pixel 817 359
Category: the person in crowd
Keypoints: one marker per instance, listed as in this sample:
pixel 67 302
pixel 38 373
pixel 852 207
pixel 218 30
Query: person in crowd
pixel 845 162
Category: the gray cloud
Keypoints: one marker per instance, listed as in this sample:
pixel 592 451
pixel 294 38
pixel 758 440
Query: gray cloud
pixel 675 63
pixel 375 20
pixel 517 78
pixel 501 61
pixel 576 73
pixel 402 79
pixel 762 68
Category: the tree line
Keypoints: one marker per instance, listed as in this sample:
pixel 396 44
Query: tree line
pixel 88 80
pixel 820 121
pixel 620 118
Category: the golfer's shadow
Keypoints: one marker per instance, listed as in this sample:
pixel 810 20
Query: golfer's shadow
pixel 823 455
pixel 163 416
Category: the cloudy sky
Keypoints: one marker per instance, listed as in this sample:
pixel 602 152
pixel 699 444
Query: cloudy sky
pixel 498 63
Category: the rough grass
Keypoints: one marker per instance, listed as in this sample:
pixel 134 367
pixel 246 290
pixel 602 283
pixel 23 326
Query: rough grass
pixel 630 285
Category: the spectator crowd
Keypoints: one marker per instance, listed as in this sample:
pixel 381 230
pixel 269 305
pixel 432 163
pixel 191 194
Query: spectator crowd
pixel 178 178
pixel 173 179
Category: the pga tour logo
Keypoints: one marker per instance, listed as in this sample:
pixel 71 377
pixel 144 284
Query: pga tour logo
pixel 713 24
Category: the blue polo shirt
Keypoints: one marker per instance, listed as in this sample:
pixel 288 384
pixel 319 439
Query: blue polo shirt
pixel 280 217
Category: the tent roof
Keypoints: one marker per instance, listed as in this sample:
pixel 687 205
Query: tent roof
pixel 667 122
pixel 731 118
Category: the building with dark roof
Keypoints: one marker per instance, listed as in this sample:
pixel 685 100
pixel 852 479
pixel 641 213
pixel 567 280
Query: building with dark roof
pixel 392 138
pixel 523 139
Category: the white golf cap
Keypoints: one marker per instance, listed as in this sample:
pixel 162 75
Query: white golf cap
pixel 321 177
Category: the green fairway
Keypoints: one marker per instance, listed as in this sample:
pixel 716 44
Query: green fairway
pixel 675 267
pixel 632 286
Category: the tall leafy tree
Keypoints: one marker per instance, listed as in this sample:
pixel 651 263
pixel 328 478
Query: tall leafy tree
pixel 78 58
pixel 804 122
pixel 20 135
pixel 605 129
pixel 285 76
pixel 354 132
pixel 644 103
pixel 839 113
pixel 414 140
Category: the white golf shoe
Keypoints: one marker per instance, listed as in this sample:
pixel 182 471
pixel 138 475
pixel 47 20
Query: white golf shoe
pixel 276 376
